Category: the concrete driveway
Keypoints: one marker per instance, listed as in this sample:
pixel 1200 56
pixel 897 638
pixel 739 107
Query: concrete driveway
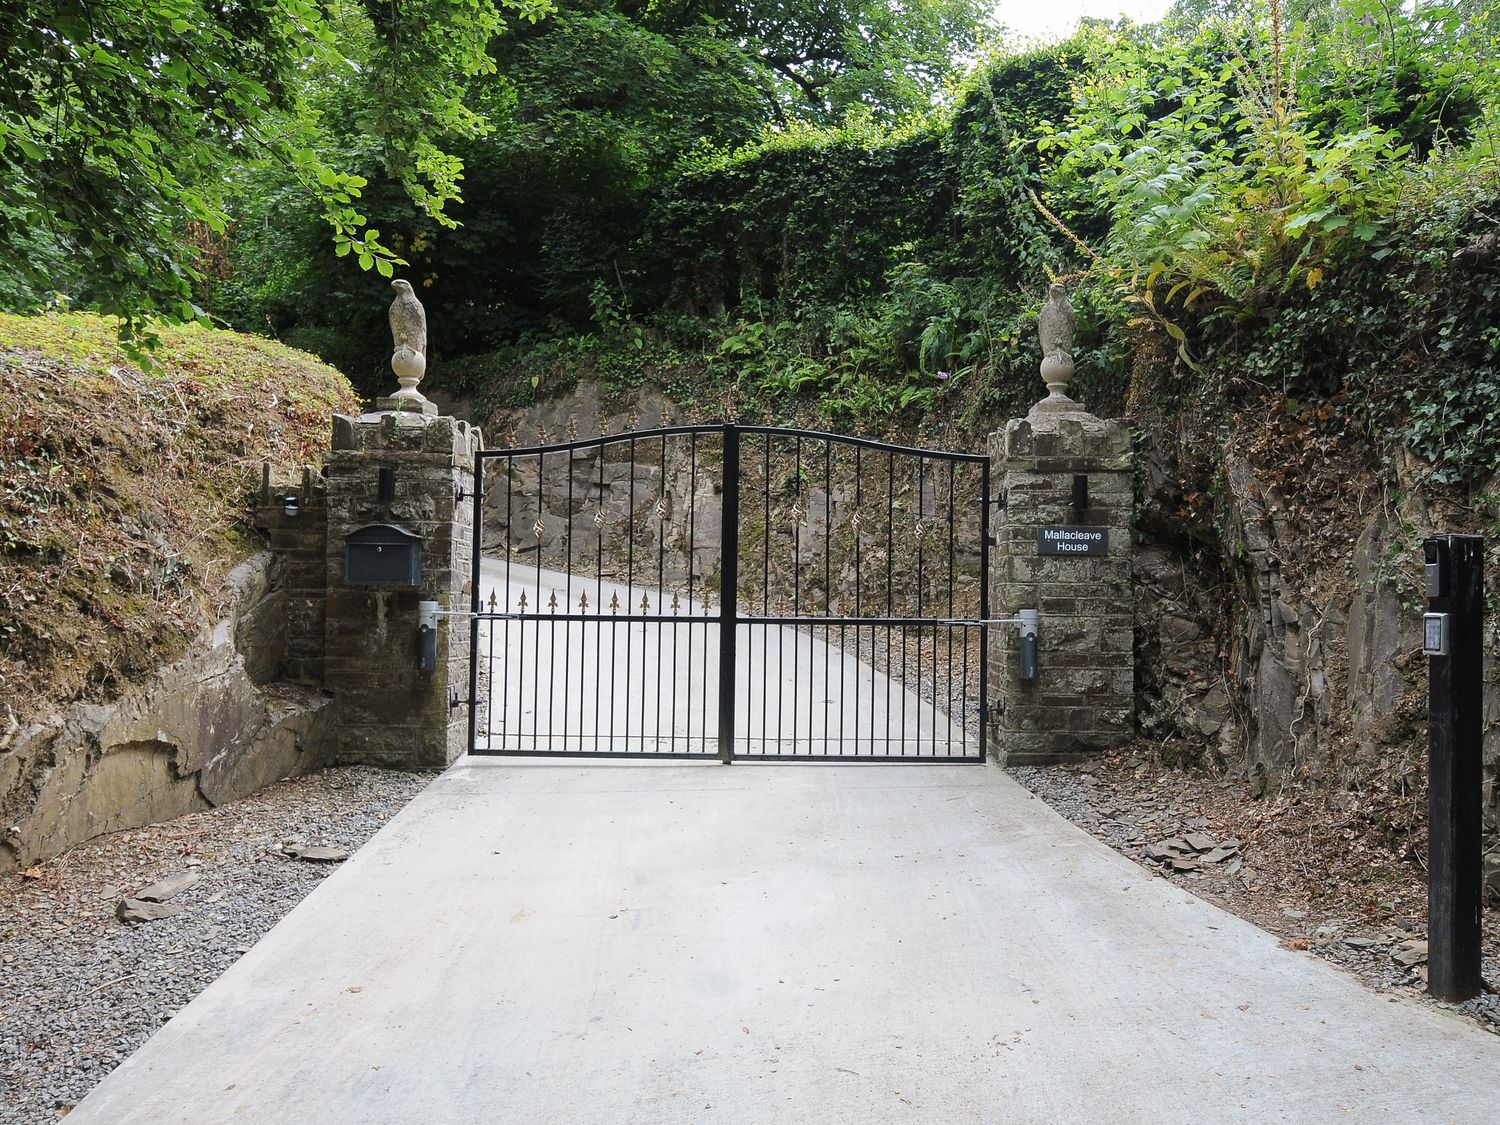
pixel 547 942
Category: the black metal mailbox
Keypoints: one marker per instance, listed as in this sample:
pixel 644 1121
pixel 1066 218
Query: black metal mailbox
pixel 382 554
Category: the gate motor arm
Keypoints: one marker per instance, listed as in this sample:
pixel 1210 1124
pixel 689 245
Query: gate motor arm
pixel 1028 621
pixel 428 614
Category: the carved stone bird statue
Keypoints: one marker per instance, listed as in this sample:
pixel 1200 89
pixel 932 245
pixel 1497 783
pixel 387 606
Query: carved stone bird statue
pixel 1055 324
pixel 409 331
pixel 1055 327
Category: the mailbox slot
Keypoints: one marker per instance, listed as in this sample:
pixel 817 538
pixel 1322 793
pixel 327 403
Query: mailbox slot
pixel 382 554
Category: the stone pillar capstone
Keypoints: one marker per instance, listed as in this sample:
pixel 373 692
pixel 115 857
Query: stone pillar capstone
pixel 1062 547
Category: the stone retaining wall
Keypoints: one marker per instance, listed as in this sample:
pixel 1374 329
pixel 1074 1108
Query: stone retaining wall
pixel 210 728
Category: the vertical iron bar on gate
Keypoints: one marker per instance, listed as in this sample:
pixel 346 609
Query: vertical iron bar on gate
pixel 729 555
pixel 984 607
pixel 475 580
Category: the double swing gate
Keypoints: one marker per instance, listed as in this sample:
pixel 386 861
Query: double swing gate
pixel 730 592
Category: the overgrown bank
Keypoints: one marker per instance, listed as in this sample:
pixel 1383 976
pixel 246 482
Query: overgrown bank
pixel 124 538
pixel 124 499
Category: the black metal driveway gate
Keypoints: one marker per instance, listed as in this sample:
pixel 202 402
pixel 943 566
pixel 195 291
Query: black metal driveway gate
pixel 730 592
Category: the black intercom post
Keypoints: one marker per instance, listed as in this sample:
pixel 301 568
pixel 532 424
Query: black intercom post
pixel 1452 638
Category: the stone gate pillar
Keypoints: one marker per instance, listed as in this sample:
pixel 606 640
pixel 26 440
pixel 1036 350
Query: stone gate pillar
pixel 400 482
pixel 404 470
pixel 1062 547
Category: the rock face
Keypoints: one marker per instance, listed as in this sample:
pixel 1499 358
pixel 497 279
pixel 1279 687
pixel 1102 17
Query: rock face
pixel 210 728
pixel 1285 639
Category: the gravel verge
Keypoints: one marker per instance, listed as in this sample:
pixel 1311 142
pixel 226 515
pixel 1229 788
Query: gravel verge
pixel 81 990
pixel 1292 867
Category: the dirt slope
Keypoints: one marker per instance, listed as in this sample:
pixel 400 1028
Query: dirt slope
pixel 124 493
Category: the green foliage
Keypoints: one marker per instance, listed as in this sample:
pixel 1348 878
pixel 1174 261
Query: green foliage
pixel 1376 66
pixel 590 109
pixel 120 119
pixel 866 60
pixel 1220 194
pixel 791 208
pixel 809 216
pixel 1410 343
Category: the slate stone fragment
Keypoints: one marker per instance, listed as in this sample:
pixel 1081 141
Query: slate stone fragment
pixel 316 853
pixel 137 910
pixel 166 888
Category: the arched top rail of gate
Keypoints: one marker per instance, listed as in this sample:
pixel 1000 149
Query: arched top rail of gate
pixel 719 428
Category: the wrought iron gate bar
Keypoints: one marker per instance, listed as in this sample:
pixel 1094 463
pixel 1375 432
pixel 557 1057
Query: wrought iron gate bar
pixel 864 443
pixel 510 454
pixel 741 619
pixel 680 695
pixel 718 429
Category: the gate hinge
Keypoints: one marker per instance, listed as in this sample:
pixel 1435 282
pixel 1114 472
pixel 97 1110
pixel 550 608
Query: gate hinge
pixel 992 712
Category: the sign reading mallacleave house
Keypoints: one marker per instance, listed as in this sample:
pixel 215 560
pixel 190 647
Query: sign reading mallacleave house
pixel 1072 541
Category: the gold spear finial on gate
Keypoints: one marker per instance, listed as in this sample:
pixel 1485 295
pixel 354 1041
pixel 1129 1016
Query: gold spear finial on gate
pixel 552 602
pixel 614 603
pixel 583 601
pixel 522 601
pixel 645 604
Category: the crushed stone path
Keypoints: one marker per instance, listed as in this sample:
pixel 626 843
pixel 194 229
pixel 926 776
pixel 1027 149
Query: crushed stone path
pixel 546 942
pixel 80 989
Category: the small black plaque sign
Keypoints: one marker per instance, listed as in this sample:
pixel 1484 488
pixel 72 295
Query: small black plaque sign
pixel 1072 540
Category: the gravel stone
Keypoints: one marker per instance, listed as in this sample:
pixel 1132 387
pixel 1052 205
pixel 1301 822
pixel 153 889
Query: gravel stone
pixel 167 888
pixel 145 910
pixel 80 990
